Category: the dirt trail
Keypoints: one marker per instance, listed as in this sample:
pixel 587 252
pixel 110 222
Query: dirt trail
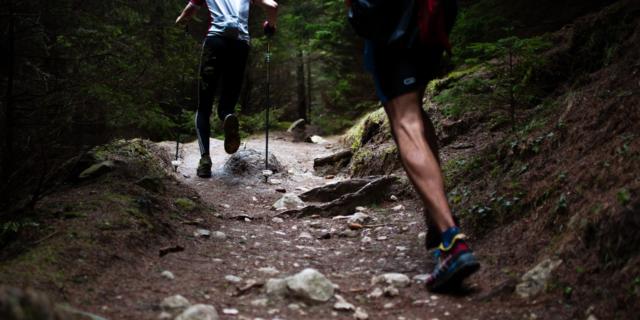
pixel 254 241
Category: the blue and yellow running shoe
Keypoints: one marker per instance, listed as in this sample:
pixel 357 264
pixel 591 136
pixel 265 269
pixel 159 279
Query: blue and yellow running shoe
pixel 455 262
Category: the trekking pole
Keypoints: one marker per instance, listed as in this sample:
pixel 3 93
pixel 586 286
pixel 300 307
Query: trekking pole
pixel 269 30
pixel 267 59
pixel 176 162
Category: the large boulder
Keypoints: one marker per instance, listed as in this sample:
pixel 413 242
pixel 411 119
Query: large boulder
pixel 249 162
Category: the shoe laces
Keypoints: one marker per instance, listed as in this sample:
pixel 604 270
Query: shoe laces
pixel 441 252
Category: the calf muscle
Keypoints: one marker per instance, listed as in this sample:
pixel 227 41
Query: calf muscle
pixel 413 134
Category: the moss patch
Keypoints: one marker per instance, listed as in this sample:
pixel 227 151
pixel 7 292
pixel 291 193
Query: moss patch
pixel 39 263
pixel 354 136
pixel 185 204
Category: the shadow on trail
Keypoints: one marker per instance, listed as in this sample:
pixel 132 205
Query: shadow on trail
pixel 460 291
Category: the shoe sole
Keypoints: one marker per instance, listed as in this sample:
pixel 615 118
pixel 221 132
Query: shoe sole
pixel 231 134
pixel 204 175
pixel 468 265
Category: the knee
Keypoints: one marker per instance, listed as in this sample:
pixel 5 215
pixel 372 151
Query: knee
pixel 407 125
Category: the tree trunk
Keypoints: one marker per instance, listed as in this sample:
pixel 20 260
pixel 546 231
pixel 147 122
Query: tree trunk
pixel 7 112
pixel 512 99
pixel 301 90
pixel 308 97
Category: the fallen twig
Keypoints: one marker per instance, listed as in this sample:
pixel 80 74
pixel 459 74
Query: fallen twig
pixel 171 249
pixel 247 287
pixel 73 310
pixel 195 222
pixel 194 260
pixel 378 225
pixel 47 237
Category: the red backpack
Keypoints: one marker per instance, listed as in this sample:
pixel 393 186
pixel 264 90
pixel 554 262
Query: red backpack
pixel 435 21
pixel 383 21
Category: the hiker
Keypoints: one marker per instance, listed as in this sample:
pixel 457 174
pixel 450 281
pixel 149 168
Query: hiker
pixel 224 56
pixel 402 59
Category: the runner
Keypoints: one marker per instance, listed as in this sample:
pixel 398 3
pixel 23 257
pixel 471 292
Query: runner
pixel 401 68
pixel 224 57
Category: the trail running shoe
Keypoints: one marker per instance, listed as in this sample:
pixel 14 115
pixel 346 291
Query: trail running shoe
pixel 231 134
pixel 455 263
pixel 434 238
pixel 204 167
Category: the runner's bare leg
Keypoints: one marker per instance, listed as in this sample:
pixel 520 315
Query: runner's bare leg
pixel 418 158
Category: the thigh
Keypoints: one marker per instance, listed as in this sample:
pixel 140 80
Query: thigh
pixel 233 69
pixel 210 60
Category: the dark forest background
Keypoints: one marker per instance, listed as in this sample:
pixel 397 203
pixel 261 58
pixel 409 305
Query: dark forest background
pixel 76 74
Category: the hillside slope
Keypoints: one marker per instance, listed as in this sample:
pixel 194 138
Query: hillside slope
pixel 564 185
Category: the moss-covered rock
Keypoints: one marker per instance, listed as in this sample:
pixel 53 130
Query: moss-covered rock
pixel 437 85
pixel 185 204
pixel 375 159
pixel 136 157
pixel 127 149
pixel 151 183
pixel 368 126
pixel 374 151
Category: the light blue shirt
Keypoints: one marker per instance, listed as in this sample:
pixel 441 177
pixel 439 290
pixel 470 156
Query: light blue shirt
pixel 229 18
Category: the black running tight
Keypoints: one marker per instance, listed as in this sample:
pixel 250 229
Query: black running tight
pixel 221 72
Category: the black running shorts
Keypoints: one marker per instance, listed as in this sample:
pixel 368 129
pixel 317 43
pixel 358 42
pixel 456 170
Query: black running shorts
pixel 397 69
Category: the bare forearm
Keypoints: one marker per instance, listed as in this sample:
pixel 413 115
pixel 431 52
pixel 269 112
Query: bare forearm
pixel 188 11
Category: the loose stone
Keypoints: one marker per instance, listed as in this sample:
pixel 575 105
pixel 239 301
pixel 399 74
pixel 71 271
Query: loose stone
pixel 232 278
pixel 394 279
pixel 175 302
pixel 199 312
pixel 218 235
pixel 168 275
pixel 360 314
pixel 231 311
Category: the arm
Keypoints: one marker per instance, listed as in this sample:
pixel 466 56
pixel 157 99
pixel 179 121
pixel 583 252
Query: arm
pixel 270 7
pixel 188 11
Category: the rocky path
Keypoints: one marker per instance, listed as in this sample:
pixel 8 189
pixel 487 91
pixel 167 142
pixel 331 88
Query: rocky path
pixel 250 263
